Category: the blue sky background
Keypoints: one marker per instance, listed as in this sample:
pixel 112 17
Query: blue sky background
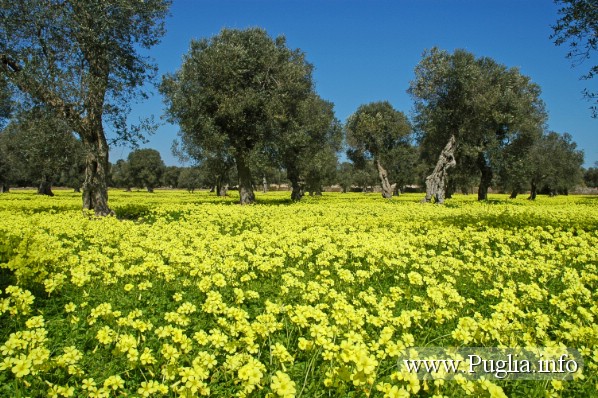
pixel 366 51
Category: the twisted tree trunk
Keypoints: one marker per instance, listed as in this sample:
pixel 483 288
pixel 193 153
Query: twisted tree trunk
pixel 245 185
pixel 383 174
pixel 296 184
pixel 436 182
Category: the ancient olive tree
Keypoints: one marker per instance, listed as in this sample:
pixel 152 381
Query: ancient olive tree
pixel 468 109
pixel 376 131
pixel 578 27
pixel 81 59
pixel 233 92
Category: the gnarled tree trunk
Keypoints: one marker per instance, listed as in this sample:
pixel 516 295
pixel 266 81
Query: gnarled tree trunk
pixel 383 174
pixel 223 189
pixel 296 184
pixel 95 188
pixel 436 182
pixel 245 185
pixel 486 178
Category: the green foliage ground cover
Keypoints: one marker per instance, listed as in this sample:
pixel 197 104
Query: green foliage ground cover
pixel 190 294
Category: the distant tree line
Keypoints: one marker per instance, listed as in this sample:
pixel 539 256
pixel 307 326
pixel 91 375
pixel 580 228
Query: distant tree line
pixel 249 115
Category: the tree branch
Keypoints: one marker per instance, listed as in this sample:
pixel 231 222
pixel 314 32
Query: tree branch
pixel 67 111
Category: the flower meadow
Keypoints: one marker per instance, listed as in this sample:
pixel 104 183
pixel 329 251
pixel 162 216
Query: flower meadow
pixel 186 295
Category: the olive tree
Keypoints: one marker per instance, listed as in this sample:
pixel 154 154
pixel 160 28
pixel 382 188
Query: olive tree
pixel 307 144
pixel 376 131
pixel 234 91
pixel 81 58
pixel 468 109
pixel 556 164
pixel 146 168
pixel 40 147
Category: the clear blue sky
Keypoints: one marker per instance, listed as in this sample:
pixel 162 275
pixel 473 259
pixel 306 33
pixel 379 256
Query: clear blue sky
pixel 366 51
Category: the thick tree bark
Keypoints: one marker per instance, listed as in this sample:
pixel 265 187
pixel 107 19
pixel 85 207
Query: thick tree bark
pixel 296 185
pixel 95 189
pixel 45 187
pixel 486 178
pixel 514 194
pixel 245 185
pixel 221 188
pixel 383 174
pixel 95 186
pixel 436 182
pixel 296 190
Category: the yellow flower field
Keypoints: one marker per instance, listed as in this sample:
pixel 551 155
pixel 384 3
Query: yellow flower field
pixel 188 295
